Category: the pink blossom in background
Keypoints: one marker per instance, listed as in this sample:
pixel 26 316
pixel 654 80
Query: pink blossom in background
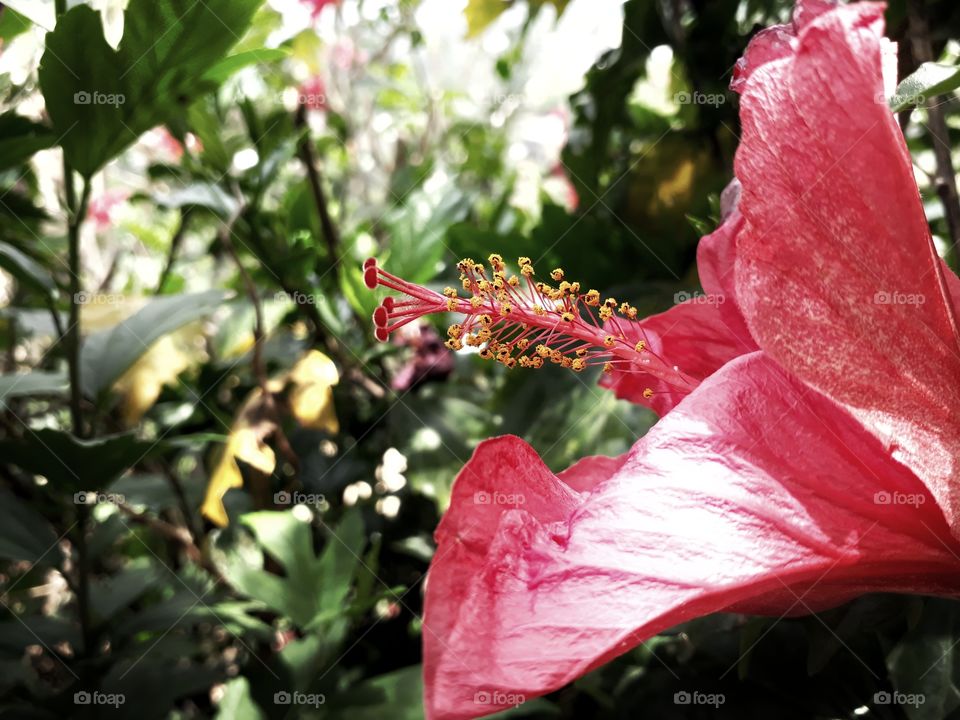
pixel 102 209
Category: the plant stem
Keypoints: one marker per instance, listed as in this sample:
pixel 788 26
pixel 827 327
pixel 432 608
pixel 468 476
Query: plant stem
pixel 330 234
pixel 76 212
pixel 946 179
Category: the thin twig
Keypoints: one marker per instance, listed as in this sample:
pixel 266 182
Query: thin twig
pixel 259 367
pixel 175 242
pixel 330 234
pixel 946 179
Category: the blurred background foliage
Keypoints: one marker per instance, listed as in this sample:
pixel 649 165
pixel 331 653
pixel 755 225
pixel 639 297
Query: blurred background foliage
pixel 230 503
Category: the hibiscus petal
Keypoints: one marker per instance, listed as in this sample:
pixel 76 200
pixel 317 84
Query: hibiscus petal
pixel 694 336
pixel 709 511
pixel 698 336
pixel 836 272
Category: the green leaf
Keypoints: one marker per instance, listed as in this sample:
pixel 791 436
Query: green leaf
pixel 925 663
pixel 205 195
pixel 101 100
pixel 20 138
pixel 37 383
pixel 396 695
pixel 24 534
pixel 12 24
pixel 228 66
pixel 929 80
pixel 237 702
pixel 111 594
pixel 23 267
pixel 106 355
pixel 314 589
pixel 72 464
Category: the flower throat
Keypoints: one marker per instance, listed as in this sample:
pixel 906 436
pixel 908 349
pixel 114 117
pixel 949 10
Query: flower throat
pixel 518 320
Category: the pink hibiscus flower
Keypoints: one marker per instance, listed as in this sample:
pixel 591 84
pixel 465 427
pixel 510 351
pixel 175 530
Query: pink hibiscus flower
pixel 808 447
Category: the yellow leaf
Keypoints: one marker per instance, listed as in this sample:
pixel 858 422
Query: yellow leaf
pixel 141 385
pixel 480 13
pixel 311 395
pixel 245 443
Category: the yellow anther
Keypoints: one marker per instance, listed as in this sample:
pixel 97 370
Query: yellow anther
pixel 454 344
pixel 543 351
pixel 578 365
pixel 566 362
pixel 467 285
pixel 486 287
pixel 536 362
pixel 486 354
pixel 476 302
pixel 449 292
pixel 472 341
pixel 608 367
pixel 581 352
pixel 565 288
pixel 611 303
pixel 640 346
pixel 483 335
pixel 632 313
pixel 648 393
pixel 557 274
pixel 567 317
pixel 526 270
pixel 506 309
pixel 455 331
pixel 609 341
pixel 605 313
pixel 509 362
pixel 575 288
pixel 523 344
pixel 514 281
pixel 556 356
pixel 523 260
pixel 496 262
pixel 451 304
pixel 539 311
pixel 485 320
pixel 592 298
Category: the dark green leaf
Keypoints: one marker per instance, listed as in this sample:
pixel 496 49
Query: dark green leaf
pixel 101 100
pixel 20 138
pixel 72 464
pixel 24 534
